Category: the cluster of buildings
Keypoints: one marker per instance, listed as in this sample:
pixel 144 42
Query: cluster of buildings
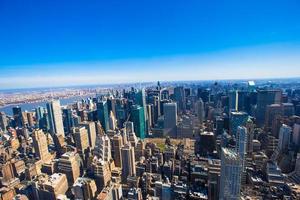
pixel 176 141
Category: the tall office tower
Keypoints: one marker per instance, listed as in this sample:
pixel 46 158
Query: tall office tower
pixel 112 121
pixel 102 173
pixel 128 162
pixel 179 98
pixel 91 129
pixel 200 110
pixel 30 119
pixel 237 119
pixel 138 118
pixel 219 125
pixel 17 114
pixel 81 140
pixel 99 128
pixel 139 150
pixel 233 100
pixel 50 187
pixel 69 164
pixel 129 134
pixel 102 113
pixel 296 134
pixel 120 112
pixel 241 144
pixel 155 101
pixel 203 94
pixel 165 94
pixel 170 119
pixel 3 121
pixel 68 120
pixel 265 98
pixel 250 132
pixel 150 116
pixel 40 145
pixel 84 188
pixel 231 168
pixel 237 100
pixel 140 99
pixel 55 117
pixel 273 111
pixel 102 148
pixel 24 119
pixel 39 115
pixel 284 137
pixel 117 145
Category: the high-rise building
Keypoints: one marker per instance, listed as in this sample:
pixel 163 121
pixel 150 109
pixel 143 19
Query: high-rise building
pixel 200 110
pixel 84 188
pixel 67 120
pixel 231 168
pixel 17 114
pixel 112 121
pixel 284 137
pixel 179 98
pixel 103 148
pixel 81 140
pixel 69 164
pixel 3 121
pixel 241 144
pixel 170 119
pixel 128 162
pixel 237 119
pixel 117 145
pixel 40 145
pixel 51 187
pixel 138 118
pixel 91 129
pixel 265 98
pixel 102 113
pixel 55 117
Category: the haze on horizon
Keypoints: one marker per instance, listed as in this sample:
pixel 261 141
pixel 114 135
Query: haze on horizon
pixel 74 43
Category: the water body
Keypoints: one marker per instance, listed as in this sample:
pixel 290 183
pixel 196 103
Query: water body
pixel 32 106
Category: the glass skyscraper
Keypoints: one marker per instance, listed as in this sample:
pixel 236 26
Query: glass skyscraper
pixel 102 113
pixel 138 118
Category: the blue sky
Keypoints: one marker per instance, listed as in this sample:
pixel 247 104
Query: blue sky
pixel 53 43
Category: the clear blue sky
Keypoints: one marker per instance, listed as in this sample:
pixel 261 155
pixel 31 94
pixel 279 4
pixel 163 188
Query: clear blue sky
pixel 55 42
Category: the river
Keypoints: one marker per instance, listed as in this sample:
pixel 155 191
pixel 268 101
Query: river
pixel 31 106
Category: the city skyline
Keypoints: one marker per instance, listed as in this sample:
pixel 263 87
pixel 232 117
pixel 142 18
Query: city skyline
pixel 63 44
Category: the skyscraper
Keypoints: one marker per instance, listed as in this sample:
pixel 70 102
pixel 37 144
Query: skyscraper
pixel 3 121
pixel 81 140
pixel 103 148
pixel 69 164
pixel 231 169
pixel 170 119
pixel 117 145
pixel 264 98
pixel 237 119
pixel 241 144
pixel 284 137
pixel 179 98
pixel 102 113
pixel 112 121
pixel 67 120
pixel 200 110
pixel 128 162
pixel 17 114
pixel 40 145
pixel 91 129
pixel 138 119
pixel 55 117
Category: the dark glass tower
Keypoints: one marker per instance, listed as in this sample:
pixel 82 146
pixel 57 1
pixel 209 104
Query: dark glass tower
pixel 138 119
pixel 102 113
